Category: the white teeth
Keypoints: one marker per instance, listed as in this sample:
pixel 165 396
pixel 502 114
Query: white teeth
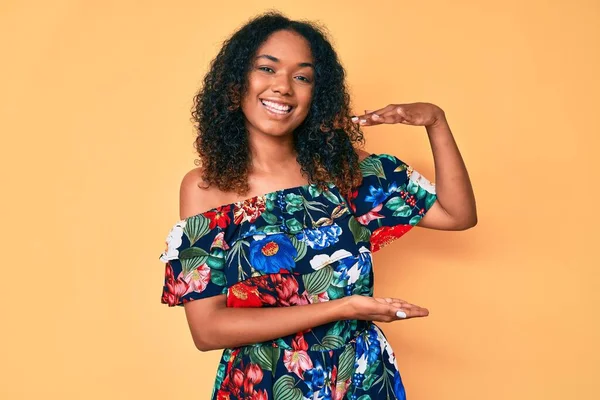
pixel 276 107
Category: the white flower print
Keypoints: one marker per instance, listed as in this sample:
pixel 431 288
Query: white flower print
pixel 173 241
pixel 421 181
pixel 322 260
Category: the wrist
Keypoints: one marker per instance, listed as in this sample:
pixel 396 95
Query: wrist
pixel 439 120
pixel 344 309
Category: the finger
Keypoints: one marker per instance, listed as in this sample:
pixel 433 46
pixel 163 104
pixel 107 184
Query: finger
pixel 416 312
pixel 394 117
pixel 388 117
pixel 382 110
pixel 367 121
pixel 377 114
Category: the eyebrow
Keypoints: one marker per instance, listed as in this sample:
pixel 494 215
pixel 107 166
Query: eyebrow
pixel 275 59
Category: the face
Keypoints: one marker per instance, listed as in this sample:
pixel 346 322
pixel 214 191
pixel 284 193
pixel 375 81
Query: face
pixel 280 85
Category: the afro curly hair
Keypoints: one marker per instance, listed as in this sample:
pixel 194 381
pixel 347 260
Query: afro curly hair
pixel 325 140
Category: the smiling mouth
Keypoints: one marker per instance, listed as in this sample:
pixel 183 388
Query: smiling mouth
pixel 277 108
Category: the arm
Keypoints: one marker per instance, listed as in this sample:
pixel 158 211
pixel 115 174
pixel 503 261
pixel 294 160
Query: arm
pixel 455 208
pixel 215 326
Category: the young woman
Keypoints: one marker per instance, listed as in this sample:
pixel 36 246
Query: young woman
pixel 272 256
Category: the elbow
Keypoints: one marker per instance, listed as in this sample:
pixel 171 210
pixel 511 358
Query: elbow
pixel 466 223
pixel 203 344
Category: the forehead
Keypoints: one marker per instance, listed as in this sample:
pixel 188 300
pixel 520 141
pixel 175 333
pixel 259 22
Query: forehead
pixel 287 46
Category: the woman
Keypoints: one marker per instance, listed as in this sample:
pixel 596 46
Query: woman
pixel 272 257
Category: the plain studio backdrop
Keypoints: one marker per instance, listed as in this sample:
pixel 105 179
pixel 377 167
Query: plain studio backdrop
pixel 96 136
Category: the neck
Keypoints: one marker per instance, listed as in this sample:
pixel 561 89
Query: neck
pixel 270 154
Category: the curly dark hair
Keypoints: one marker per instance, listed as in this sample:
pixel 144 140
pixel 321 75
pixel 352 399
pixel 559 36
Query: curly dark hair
pixel 324 142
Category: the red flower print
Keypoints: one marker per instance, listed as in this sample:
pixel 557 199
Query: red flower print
pixel 297 361
pixel 219 217
pixel 284 291
pixel 253 375
pixel 249 210
pixel 371 215
pixel 260 395
pixel 198 279
pixel 241 383
pixel 223 395
pixel 383 236
pixel 244 294
pixel 174 288
pixel 349 199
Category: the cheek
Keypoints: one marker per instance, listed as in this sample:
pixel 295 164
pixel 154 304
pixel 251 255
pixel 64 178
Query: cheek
pixel 305 98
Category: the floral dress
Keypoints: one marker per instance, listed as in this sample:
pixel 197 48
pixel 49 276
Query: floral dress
pixel 293 247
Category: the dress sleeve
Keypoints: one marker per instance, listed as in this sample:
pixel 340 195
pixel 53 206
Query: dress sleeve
pixel 392 198
pixel 194 262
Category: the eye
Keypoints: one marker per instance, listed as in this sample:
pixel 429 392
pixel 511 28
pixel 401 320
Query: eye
pixel 304 79
pixel 266 69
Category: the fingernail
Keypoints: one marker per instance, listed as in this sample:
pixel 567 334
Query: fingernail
pixel 400 314
pixel 363 121
pixel 354 118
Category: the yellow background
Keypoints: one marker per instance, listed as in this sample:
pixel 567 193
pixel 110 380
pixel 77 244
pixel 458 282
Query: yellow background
pixel 94 114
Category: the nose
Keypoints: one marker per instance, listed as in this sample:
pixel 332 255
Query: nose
pixel 281 85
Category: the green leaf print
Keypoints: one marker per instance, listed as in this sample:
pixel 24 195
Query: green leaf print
pixel 318 282
pixel 337 328
pixel 331 197
pixel 271 229
pixel 282 344
pixel 300 247
pixel 329 342
pixel 404 211
pixel 190 264
pixel 395 203
pixel 360 232
pixel 389 157
pixel 269 205
pixel 429 200
pixel 265 356
pixel 412 187
pixel 220 377
pixel 364 397
pixel 192 252
pixel 294 225
pixel 372 166
pixel 270 218
pixel 293 203
pixel 217 277
pixel 372 368
pixel 346 364
pixel 368 382
pixel 314 191
pixel 335 292
pixel 196 227
pixel 415 220
pixel 285 389
pixel 421 193
pixel 216 259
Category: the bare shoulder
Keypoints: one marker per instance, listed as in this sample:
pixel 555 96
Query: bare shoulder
pixel 362 154
pixel 194 194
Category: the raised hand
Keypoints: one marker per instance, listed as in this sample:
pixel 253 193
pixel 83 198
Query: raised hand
pixel 417 114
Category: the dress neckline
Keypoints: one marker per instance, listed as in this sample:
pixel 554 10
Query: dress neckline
pixel 284 190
